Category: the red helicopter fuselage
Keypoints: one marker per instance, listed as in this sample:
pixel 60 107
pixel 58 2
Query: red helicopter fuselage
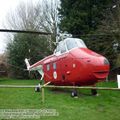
pixel 74 65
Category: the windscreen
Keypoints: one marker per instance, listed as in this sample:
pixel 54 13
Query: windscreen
pixel 80 43
pixel 74 42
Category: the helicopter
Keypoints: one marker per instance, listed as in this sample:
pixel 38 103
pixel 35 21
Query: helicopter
pixel 72 64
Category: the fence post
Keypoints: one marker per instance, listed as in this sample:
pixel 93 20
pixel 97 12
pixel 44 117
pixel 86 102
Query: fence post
pixel 43 95
pixel 43 92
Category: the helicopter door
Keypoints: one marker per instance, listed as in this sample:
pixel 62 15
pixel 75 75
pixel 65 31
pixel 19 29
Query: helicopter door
pixel 63 60
pixel 64 65
pixel 56 70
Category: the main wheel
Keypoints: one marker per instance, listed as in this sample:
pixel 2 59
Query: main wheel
pixel 74 93
pixel 37 88
pixel 94 92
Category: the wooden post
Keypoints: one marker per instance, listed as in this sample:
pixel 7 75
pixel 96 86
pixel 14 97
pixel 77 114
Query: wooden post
pixel 43 92
pixel 43 95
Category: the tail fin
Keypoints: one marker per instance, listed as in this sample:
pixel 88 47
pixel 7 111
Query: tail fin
pixel 27 64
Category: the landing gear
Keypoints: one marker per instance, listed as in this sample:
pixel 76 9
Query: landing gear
pixel 74 94
pixel 37 88
pixel 94 92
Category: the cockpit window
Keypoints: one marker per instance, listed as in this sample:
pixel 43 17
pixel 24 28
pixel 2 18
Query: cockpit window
pixel 80 43
pixel 58 48
pixel 61 47
pixel 72 43
pixel 69 43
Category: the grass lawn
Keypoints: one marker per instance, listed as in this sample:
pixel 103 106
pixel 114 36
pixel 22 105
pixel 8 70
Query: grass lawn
pixel 106 106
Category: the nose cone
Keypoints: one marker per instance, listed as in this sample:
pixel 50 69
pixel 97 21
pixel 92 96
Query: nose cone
pixel 101 68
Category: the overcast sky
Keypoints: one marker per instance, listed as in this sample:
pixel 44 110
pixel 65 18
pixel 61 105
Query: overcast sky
pixel 5 7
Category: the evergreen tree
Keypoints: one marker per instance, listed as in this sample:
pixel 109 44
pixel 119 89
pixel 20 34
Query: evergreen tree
pixel 24 46
pixel 82 16
pixel 93 21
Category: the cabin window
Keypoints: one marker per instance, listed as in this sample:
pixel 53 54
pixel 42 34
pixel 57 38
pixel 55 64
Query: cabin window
pixel 48 67
pixel 54 66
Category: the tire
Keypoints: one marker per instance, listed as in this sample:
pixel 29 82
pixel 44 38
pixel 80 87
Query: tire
pixel 74 93
pixel 37 89
pixel 94 92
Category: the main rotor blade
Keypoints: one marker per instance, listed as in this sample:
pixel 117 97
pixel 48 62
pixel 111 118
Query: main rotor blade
pixel 25 31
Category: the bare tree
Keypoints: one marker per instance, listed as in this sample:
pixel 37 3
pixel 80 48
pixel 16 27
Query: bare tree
pixel 41 16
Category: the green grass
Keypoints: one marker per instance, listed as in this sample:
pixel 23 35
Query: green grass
pixel 86 107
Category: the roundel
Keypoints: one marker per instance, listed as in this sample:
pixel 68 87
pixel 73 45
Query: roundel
pixel 55 75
